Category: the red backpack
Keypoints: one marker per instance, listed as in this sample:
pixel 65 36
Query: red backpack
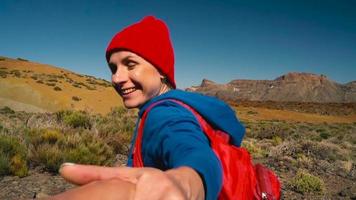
pixel 241 179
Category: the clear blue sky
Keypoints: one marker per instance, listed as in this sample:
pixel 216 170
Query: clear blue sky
pixel 217 40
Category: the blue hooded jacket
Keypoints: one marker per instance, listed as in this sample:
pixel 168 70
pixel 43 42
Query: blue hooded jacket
pixel 173 138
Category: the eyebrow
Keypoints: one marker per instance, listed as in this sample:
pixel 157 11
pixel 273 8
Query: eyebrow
pixel 125 59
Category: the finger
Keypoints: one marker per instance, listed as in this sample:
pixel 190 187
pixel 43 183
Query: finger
pixel 105 189
pixel 83 174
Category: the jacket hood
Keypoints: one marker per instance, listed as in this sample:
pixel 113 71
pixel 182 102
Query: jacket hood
pixel 216 112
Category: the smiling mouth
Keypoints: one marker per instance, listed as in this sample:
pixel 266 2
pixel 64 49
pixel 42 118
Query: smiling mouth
pixel 127 91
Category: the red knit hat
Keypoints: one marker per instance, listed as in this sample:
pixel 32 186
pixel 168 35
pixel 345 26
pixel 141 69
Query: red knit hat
pixel 149 39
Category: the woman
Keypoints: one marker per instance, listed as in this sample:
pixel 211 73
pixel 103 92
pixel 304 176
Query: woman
pixel 179 163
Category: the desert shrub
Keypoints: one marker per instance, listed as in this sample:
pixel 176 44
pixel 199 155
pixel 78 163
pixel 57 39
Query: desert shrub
pixel 49 149
pixel 2 59
pixel 276 140
pixel 118 120
pixel 51 136
pixel 90 149
pixel 4 164
pixel 89 87
pixel 13 152
pixel 75 98
pixel 268 130
pixel 3 74
pixel 304 161
pixel 77 119
pixel 40 82
pixel 104 83
pixel 6 110
pixel 16 73
pixel 76 85
pixel 50 84
pixel 323 151
pixel 250 112
pixel 74 119
pixel 52 80
pixel 255 150
pixel 315 150
pixel 34 77
pixel 116 128
pixel 324 135
pixel 57 88
pixel 50 157
pixel 37 137
pixel 22 59
pixel 304 182
pixel 18 166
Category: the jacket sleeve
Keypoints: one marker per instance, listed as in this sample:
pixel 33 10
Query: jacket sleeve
pixel 173 138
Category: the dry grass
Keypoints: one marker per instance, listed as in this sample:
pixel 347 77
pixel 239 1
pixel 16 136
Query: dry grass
pixel 258 114
pixel 47 140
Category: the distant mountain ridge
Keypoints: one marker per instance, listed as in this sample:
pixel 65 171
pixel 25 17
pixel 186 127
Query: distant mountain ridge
pixel 291 87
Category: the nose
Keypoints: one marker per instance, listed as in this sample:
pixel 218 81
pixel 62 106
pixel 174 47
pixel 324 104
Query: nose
pixel 120 76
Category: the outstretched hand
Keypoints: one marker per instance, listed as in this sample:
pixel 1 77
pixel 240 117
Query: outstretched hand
pixel 131 183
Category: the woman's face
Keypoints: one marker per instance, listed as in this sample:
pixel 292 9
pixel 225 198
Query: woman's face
pixel 135 79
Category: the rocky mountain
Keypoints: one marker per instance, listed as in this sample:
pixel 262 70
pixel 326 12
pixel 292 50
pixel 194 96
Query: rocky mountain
pixel 291 87
pixel 35 87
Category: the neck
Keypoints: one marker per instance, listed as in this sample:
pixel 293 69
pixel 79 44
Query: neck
pixel 164 88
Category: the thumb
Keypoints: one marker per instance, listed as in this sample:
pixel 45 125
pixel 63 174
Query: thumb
pixel 83 174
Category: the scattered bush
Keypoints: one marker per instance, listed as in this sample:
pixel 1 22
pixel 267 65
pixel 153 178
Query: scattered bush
pixel 2 59
pixel 14 153
pixel 276 140
pixel 255 150
pixel 52 80
pixel 40 82
pixel 4 164
pixel 75 119
pixel 117 128
pixel 57 88
pixel 90 150
pixel 324 135
pixel 89 87
pixel 6 110
pixel 250 112
pixel 50 148
pixel 3 74
pixel 75 98
pixel 76 85
pixel 304 182
pixel 50 84
pixel 22 59
pixel 18 166
pixel 16 73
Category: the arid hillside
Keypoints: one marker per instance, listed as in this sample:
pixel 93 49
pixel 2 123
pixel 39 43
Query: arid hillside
pixel 291 87
pixel 35 87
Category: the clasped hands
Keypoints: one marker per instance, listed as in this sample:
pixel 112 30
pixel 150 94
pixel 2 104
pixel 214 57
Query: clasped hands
pixel 128 183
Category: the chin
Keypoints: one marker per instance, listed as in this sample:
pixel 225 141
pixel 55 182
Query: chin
pixel 132 104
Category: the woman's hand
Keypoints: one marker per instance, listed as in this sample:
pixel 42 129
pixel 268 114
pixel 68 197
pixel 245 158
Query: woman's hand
pixel 104 189
pixel 150 183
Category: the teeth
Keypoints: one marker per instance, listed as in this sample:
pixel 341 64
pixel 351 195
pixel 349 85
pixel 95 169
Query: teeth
pixel 128 90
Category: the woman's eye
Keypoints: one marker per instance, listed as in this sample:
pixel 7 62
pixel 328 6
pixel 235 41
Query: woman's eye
pixel 113 68
pixel 131 64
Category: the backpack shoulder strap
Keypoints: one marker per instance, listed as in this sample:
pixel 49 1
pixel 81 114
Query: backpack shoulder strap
pixel 205 126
